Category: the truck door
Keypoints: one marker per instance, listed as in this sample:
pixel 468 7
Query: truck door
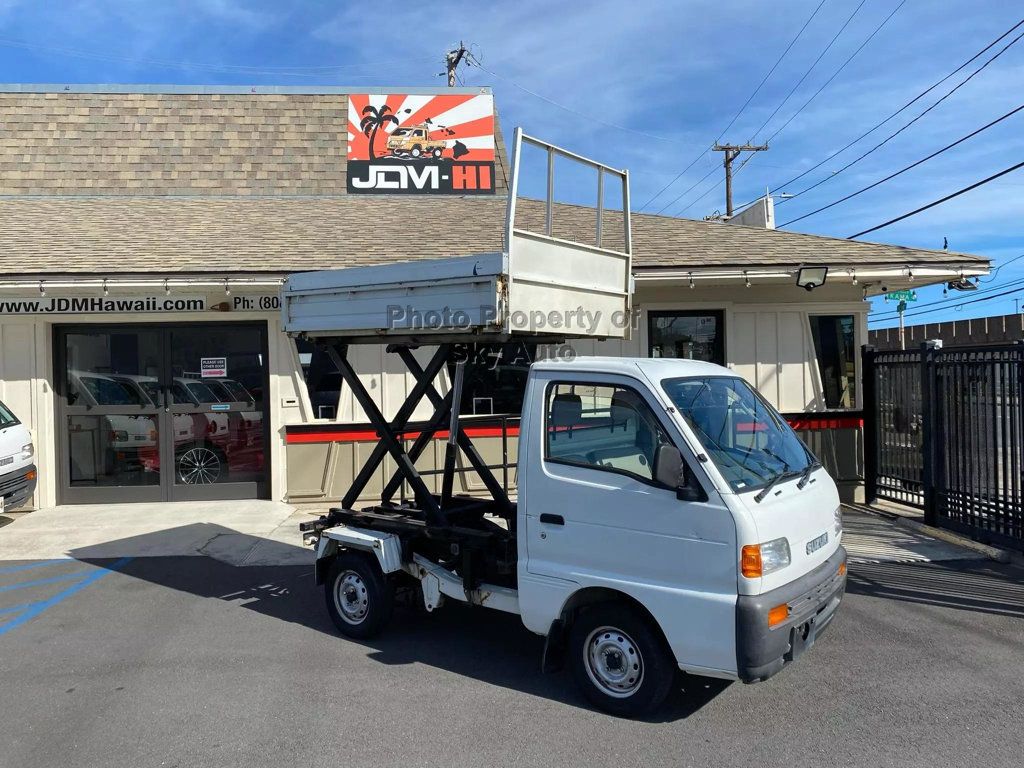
pixel 596 517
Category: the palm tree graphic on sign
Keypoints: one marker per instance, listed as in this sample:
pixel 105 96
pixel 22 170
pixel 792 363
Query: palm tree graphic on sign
pixel 373 120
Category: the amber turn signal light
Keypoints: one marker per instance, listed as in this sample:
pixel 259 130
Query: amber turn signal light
pixel 778 614
pixel 842 569
pixel 750 561
pixel 30 475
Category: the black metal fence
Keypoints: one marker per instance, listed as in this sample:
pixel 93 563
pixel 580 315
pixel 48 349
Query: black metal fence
pixel 944 431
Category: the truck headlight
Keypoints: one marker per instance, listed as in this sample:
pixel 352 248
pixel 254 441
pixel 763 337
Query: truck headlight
pixel 28 450
pixel 761 559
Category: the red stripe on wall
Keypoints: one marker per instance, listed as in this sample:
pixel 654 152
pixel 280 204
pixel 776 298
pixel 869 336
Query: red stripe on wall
pixel 362 435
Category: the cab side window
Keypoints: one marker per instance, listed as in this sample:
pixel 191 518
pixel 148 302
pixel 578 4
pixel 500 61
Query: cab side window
pixel 601 426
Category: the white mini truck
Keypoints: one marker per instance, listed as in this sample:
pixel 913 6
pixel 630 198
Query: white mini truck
pixel 667 517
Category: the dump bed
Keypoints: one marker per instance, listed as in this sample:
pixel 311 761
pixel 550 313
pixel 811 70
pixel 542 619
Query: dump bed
pixel 540 285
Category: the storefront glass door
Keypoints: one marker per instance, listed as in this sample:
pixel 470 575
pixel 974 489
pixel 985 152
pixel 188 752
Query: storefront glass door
pixel 168 413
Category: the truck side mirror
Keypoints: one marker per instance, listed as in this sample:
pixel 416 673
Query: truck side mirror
pixel 669 470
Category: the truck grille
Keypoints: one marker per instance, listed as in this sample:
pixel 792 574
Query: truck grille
pixel 11 485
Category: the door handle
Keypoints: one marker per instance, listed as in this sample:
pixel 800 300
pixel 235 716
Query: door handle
pixel 552 519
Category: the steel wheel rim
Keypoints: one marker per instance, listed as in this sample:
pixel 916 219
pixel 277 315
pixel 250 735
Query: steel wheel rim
pixel 613 662
pixel 199 466
pixel 351 598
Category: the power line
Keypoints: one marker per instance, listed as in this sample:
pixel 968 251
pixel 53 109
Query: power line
pixel 995 272
pixel 890 314
pixel 902 109
pixel 896 133
pixel 963 303
pixel 824 85
pixel 695 160
pixel 936 153
pixel 809 70
pixel 836 73
pixel 772 70
pixel 474 61
pixel 223 68
pixel 959 192
pixel 689 189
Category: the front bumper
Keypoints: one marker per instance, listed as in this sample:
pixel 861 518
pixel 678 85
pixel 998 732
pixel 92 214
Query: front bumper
pixel 761 651
pixel 18 486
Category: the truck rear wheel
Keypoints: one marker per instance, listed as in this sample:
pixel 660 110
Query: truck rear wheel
pixel 619 660
pixel 359 597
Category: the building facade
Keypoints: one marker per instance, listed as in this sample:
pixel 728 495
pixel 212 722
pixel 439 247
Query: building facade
pixel 146 232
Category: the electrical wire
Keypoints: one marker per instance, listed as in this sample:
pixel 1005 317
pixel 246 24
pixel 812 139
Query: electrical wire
pixel 889 314
pixel 961 304
pixel 938 152
pixel 772 70
pixel 809 70
pixel 815 95
pixel 473 61
pixel 941 200
pixel 906 106
pixel 695 160
pixel 222 68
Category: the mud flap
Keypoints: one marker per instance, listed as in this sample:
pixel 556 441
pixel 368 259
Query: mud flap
pixel 553 658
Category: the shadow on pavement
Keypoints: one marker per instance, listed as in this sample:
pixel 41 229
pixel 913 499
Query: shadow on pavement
pixel 482 644
pixel 980 586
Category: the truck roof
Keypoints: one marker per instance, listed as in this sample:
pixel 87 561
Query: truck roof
pixel 654 368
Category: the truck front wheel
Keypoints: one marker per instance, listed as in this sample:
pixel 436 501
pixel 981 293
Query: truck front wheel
pixel 620 661
pixel 359 597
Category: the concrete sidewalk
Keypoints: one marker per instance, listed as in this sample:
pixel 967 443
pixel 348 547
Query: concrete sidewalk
pixel 246 532
pixel 872 538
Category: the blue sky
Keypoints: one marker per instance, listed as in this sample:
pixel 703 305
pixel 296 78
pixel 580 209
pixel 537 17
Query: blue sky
pixel 646 85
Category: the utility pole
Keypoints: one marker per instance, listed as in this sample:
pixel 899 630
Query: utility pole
pixel 732 151
pixel 901 308
pixel 452 59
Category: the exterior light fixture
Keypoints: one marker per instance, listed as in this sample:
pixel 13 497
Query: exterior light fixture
pixel 105 291
pixel 810 278
pixel 42 289
pixel 692 286
pixel 853 276
pixel 746 279
pixel 227 290
pixel 910 275
pixel 167 287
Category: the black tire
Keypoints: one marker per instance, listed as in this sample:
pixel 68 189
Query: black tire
pixel 359 598
pixel 620 660
pixel 417 150
pixel 437 152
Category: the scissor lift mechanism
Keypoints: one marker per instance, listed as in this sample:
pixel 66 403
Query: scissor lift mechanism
pixel 537 271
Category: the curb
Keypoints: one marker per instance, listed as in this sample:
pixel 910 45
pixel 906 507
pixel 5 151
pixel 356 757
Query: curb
pixel 992 553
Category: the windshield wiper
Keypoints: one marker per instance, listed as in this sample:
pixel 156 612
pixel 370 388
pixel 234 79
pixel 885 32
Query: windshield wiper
pixel 806 476
pixel 771 484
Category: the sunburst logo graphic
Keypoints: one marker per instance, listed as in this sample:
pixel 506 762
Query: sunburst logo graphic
pixel 413 127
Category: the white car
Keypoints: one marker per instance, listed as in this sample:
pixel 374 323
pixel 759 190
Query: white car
pixel 17 465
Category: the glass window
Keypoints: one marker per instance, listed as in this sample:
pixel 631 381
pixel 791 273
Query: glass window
pixel 745 437
pixel 495 382
pixel 322 377
pixel 603 427
pixel 691 335
pixel 834 346
pixel 7 418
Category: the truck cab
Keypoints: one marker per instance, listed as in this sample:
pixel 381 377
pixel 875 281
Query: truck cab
pixel 673 487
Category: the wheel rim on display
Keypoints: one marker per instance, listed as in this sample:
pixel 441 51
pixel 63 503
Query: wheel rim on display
pixel 350 597
pixel 199 466
pixel 613 662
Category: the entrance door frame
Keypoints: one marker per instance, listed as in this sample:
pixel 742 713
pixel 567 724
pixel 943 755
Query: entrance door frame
pixel 167 490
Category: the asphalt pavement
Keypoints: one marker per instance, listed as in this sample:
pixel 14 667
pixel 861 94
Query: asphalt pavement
pixel 189 661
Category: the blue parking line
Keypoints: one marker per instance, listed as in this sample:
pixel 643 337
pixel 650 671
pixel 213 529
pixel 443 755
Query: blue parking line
pixel 35 609
pixel 40 564
pixel 39 582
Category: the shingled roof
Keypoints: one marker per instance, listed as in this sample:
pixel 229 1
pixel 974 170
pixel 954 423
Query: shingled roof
pixel 105 181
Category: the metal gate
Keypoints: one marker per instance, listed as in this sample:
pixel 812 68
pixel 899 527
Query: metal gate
pixel 944 432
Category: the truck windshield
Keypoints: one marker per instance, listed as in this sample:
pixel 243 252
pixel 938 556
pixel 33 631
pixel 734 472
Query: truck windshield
pixel 7 419
pixel 746 438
